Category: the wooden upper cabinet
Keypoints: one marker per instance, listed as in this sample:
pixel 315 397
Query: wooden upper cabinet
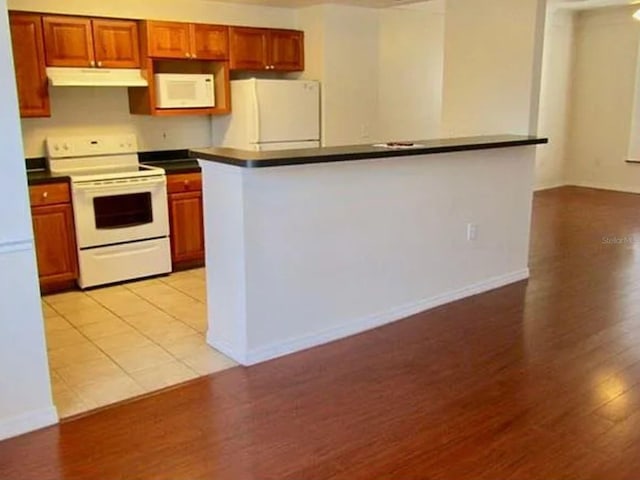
pixel 116 43
pixel 210 42
pixel 68 41
pixel 28 57
pixel 87 42
pixel 167 39
pixel 266 49
pixel 186 40
pixel 248 48
pixel 287 50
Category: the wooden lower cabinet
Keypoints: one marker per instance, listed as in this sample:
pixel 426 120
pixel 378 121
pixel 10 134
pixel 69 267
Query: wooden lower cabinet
pixel 186 220
pixel 55 245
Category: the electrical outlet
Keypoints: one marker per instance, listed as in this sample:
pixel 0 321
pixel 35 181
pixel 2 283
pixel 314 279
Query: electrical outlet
pixel 472 232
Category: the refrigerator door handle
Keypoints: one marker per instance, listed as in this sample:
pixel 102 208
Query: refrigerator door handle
pixel 256 113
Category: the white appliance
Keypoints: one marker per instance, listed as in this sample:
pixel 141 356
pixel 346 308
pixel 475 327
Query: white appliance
pixel 270 115
pixel 119 207
pixel 95 77
pixel 184 90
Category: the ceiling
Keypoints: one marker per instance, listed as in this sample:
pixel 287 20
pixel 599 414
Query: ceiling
pixel 306 3
pixel 570 4
pixel 588 4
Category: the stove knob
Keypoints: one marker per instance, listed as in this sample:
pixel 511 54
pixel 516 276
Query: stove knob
pixel 56 147
pixel 65 146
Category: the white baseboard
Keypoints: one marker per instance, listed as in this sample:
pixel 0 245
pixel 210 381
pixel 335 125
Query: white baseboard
pixel 227 349
pixel 27 422
pixel 360 325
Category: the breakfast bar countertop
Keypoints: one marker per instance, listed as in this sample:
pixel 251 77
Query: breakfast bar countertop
pixel 281 158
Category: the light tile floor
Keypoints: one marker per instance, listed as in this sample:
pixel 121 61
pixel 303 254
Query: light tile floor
pixel 110 344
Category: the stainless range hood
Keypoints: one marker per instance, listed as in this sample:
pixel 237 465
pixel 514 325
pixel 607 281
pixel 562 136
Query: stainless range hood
pixel 95 77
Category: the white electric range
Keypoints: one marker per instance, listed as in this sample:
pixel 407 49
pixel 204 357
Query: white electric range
pixel 119 206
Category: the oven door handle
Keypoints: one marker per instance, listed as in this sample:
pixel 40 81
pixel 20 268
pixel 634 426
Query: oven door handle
pixel 106 187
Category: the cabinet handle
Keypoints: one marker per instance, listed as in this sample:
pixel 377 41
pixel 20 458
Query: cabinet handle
pixel 99 64
pixel 186 184
pixel 92 63
pixel 193 55
pixel 45 194
pixel 188 55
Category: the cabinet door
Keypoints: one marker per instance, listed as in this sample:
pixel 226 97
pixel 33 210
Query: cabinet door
pixel 55 243
pixel 28 57
pixel 68 41
pixel 116 43
pixel 168 39
pixel 210 42
pixel 248 48
pixel 286 49
pixel 187 229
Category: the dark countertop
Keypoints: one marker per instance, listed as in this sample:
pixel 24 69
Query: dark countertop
pixel 281 158
pixel 173 161
pixel 40 177
pixel 186 165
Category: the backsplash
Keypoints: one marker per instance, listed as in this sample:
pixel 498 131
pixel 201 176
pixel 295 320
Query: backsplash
pixel 90 110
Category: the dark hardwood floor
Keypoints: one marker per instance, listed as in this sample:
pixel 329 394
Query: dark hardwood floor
pixel 537 380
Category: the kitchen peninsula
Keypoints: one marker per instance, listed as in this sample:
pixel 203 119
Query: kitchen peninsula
pixel 308 246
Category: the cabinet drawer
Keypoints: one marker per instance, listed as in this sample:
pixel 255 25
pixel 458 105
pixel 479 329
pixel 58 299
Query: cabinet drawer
pixel 49 194
pixel 184 182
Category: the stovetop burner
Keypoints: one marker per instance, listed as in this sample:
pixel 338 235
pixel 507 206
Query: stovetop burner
pixel 115 172
pixel 97 158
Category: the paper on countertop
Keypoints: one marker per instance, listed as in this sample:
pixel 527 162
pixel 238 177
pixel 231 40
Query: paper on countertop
pixel 398 145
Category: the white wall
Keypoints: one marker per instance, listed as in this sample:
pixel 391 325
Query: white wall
pixel 603 99
pixel 381 70
pixel 492 63
pixel 342 52
pixel 411 45
pixel 555 98
pixel 351 74
pixel 25 396
pixel 77 110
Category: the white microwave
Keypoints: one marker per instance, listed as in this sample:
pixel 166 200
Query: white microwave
pixel 184 90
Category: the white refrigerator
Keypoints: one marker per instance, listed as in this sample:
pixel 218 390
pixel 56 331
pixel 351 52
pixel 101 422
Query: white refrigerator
pixel 270 115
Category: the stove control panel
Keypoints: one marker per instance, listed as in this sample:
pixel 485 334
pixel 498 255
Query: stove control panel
pixel 91 146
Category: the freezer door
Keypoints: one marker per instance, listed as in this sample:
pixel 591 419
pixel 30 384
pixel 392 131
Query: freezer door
pixel 268 147
pixel 287 110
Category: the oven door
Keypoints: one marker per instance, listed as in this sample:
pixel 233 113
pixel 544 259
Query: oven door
pixel 109 212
